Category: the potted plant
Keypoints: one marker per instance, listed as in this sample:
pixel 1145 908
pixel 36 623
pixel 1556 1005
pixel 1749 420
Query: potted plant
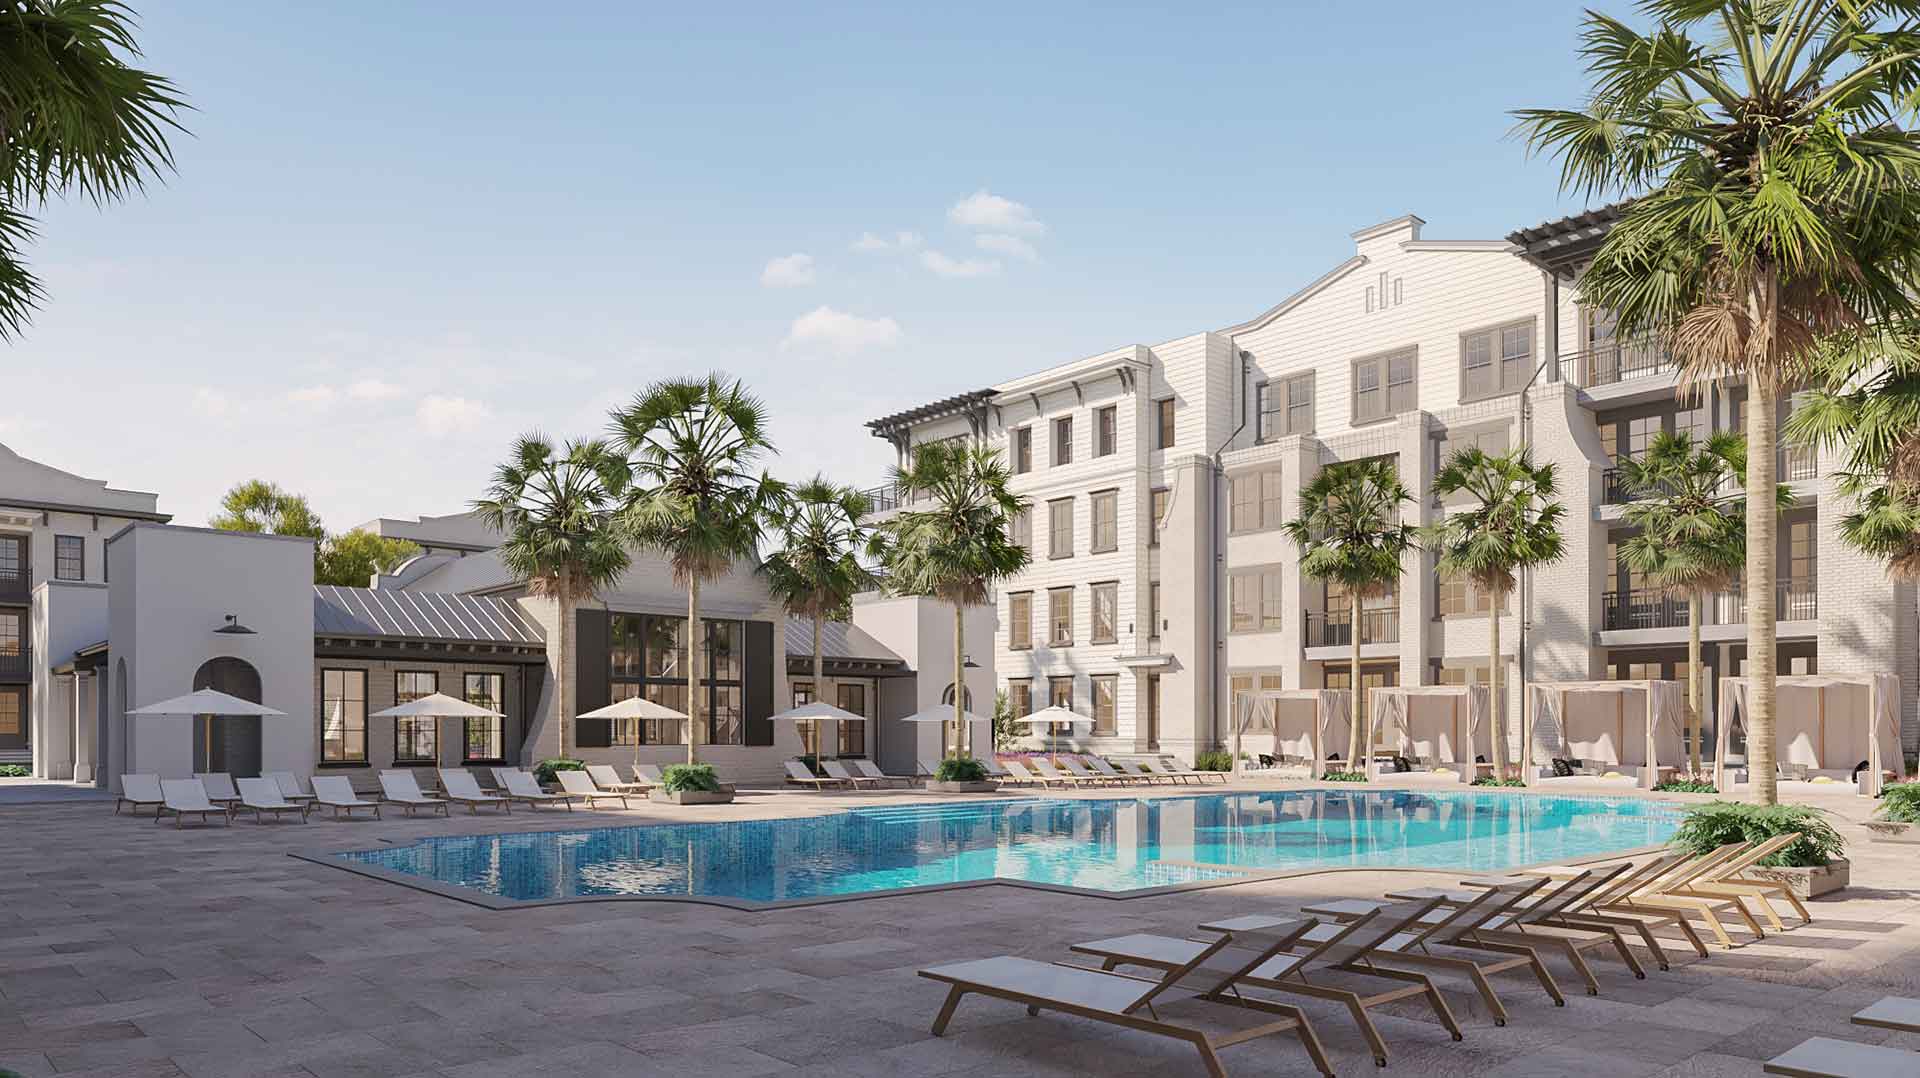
pixel 691 784
pixel 962 775
pixel 1812 866
pixel 1899 811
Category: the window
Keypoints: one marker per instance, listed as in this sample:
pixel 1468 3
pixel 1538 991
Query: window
pixel 1458 597
pixel 484 736
pixel 1106 522
pixel 1060 528
pixel 1106 432
pixel 1284 407
pixel 343 715
pixel 1020 620
pixel 1383 386
pixel 1020 696
pixel 1063 441
pixel 1157 504
pixel 648 655
pixel 1489 440
pixel 416 739
pixel 1153 610
pixel 1106 609
pixel 1163 423
pixel 1254 599
pixel 1022 529
pixel 69 557
pixel 1106 691
pixel 1023 450
pixel 1496 361
pixel 853 735
pixel 1254 500
pixel 13 559
pixel 12 721
pixel 12 634
pixel 1060 617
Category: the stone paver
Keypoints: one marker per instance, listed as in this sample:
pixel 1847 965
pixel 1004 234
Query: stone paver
pixel 133 950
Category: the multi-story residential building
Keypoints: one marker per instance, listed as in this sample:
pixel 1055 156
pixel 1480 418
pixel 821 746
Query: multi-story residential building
pixel 1159 476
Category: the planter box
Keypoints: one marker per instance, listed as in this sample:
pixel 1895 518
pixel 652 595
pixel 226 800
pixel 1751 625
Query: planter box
pixel 987 786
pixel 722 796
pixel 1889 831
pixel 1809 882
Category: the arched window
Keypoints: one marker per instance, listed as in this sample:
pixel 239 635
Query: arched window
pixel 946 697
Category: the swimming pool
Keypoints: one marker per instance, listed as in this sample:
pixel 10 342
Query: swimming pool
pixel 1113 846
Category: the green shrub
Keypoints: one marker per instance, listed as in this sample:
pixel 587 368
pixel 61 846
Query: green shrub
pixel 1686 786
pixel 1213 761
pixel 1344 776
pixel 1489 780
pixel 1707 827
pixel 960 769
pixel 1900 802
pixel 545 769
pixel 14 771
pixel 683 778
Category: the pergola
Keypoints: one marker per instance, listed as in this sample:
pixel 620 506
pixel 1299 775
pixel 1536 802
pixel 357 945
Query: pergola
pixel 1608 741
pixel 1295 731
pixel 1808 735
pixel 1434 731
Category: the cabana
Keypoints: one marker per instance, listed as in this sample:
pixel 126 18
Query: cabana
pixel 1828 724
pixel 1444 723
pixel 1598 723
pixel 1292 722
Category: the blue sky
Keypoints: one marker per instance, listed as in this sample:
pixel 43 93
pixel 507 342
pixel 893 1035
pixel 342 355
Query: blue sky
pixel 396 240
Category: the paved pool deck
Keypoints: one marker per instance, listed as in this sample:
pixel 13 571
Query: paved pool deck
pixel 139 951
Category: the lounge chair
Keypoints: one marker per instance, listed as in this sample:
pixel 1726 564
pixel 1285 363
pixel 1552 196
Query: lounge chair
pixel 400 788
pixel 1079 771
pixel 500 775
pixel 837 770
pixel 261 796
pixel 605 777
pixel 181 798
pixel 1172 778
pixel 520 786
pixel 1130 1002
pixel 219 786
pixel 1018 775
pixel 1050 774
pixel 458 785
pixel 928 768
pixel 1102 768
pixel 138 790
pixel 1201 777
pixel 1294 969
pixel 995 767
pixel 799 775
pixel 1668 893
pixel 336 792
pixel 1730 881
pixel 1535 927
pixel 289 785
pixel 1825 1057
pixel 872 770
pixel 1891 1012
pixel 580 784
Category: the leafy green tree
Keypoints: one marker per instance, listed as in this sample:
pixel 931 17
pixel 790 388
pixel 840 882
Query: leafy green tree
pixel 1349 532
pixel 691 447
pixel 1511 524
pixel 350 559
pixel 1007 729
pixel 1690 513
pixel 257 505
pixel 957 547
pixel 554 510
pixel 75 117
pixel 826 547
pixel 1774 200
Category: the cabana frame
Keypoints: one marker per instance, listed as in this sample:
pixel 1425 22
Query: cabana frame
pixel 1883 720
pixel 1665 702
pixel 1392 703
pixel 1254 709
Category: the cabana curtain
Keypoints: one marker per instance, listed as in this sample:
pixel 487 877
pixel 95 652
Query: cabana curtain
pixel 1821 730
pixel 1329 721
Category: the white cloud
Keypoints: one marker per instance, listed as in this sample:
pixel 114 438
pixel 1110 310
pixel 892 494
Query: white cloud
pixel 984 211
pixel 442 415
pixel 868 243
pixel 1000 243
pixel 314 396
pixel 792 271
pixel 372 389
pixel 210 402
pixel 958 267
pixel 839 332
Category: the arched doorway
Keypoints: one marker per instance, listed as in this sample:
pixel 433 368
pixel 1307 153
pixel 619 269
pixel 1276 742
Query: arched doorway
pixel 229 743
pixel 946 697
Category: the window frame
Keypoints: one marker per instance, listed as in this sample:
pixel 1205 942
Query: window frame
pixel 413 722
pixel 1494 332
pixel 1111 498
pixel 1019 629
pixel 1153 610
pixel 1054 551
pixel 1055 598
pixel 1382 363
pixel 1062 441
pixel 1159 503
pixel 1022 449
pixel 62 546
pixel 347 725
pixel 1106 430
pixel 1111 588
pixel 1016 686
pixel 1165 428
pixel 1020 529
pixel 1258 581
pixel 498 723
pixel 1110 726
pixel 714 689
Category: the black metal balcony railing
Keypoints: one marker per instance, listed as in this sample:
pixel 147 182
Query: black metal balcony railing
pixel 1335 629
pixel 16 665
pixel 1796 463
pixel 1651 608
pixel 884 498
pixel 1614 361
pixel 1793 600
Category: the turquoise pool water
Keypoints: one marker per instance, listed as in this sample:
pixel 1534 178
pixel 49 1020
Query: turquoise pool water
pixel 1109 845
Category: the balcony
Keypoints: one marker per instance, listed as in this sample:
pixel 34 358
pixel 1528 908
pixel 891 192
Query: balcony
pixel 1796 464
pixel 1613 362
pixel 1652 608
pixel 1793 600
pixel 1335 629
pixel 884 498
pixel 16 666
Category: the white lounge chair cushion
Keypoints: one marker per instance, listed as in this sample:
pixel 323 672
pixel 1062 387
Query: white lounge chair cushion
pixel 1071 985
pixel 1893 1012
pixel 798 770
pixel 186 795
pixel 141 789
pixel 401 786
pixel 578 782
pixel 335 790
pixel 604 775
pixel 218 784
pixel 289 785
pixel 1825 1057
pixel 837 770
pixel 522 784
pixel 461 784
pixel 648 773
pixel 870 769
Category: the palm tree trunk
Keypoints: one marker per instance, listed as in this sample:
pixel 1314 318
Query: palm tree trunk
pixel 563 687
pixel 1497 712
pixel 696 644
pixel 1694 710
pixel 819 685
pixel 1762 524
pixel 1354 763
pixel 959 679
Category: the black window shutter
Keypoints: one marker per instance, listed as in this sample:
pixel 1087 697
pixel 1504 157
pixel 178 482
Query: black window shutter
pixel 758 676
pixel 591 687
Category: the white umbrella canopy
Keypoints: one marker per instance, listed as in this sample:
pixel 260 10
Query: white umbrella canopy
pixel 943 713
pixel 634 707
pixel 206 702
pixel 440 706
pixel 1047 716
pixel 819 709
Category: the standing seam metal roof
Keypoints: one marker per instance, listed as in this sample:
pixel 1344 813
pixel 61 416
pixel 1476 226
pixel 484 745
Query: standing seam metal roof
pixel 471 619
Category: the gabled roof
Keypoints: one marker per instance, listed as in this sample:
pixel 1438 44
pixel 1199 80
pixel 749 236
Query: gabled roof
pixel 412 615
pixel 838 640
pixel 29 484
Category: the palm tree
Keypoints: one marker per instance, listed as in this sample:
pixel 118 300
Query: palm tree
pixel 554 512
pixel 825 548
pixel 958 548
pixel 1775 201
pixel 1349 532
pixel 1866 401
pixel 691 446
pixel 1511 525
pixel 74 116
pixel 1692 537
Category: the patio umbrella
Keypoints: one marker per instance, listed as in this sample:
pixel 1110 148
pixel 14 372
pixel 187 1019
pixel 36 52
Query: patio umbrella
pixel 1047 716
pixel 635 707
pixel 207 702
pixel 816 712
pixel 944 714
pixel 437 705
